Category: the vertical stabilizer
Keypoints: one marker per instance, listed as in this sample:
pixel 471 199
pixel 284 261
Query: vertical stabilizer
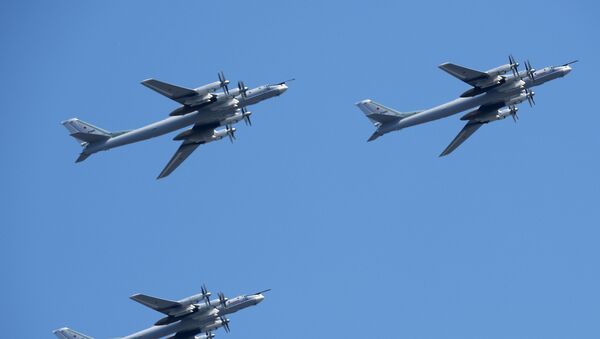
pixel 381 115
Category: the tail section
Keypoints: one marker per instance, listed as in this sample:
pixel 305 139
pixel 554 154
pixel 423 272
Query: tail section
pixel 84 132
pixel 87 134
pixel 381 115
pixel 67 333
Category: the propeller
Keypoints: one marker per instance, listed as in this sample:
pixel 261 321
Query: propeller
pixel 225 324
pixel 231 135
pixel 530 95
pixel 209 335
pixel 513 112
pixel 224 82
pixel 570 62
pixel 243 89
pixel 530 70
pixel 246 116
pixel 205 294
pixel 514 65
pixel 222 299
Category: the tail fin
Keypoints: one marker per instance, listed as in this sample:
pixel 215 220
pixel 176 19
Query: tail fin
pixel 67 333
pixel 381 115
pixel 84 132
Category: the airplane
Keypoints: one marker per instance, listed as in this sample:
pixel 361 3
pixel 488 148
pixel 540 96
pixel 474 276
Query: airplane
pixel 194 317
pixel 204 108
pixel 495 95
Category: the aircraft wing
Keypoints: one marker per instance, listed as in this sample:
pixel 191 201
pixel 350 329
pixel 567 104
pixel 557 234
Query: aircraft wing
pixel 157 304
pixel 179 94
pixel 182 153
pixel 192 138
pixel 463 135
pixel 470 76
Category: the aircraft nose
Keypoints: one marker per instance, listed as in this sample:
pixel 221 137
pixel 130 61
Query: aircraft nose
pixel 282 88
pixel 259 298
pixel 567 69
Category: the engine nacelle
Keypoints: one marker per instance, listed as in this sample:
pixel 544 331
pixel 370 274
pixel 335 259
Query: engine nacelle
pixel 232 119
pixel 500 70
pixel 210 327
pixel 221 133
pixel 505 112
pixel 213 86
pixel 223 102
pixel 519 98
pixel 205 336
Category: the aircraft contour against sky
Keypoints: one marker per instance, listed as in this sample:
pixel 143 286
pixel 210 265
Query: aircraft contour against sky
pixel 494 96
pixel 193 317
pixel 204 108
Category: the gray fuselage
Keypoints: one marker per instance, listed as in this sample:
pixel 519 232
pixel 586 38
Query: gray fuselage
pixel 212 114
pixel 499 94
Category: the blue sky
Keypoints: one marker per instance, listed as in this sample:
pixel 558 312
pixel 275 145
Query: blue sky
pixel 382 239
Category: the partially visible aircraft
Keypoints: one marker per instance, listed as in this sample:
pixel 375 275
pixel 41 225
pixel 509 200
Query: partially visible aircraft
pixel 194 317
pixel 495 92
pixel 204 107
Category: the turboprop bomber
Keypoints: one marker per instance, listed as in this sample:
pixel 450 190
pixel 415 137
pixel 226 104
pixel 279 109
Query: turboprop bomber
pixel 194 317
pixel 205 109
pixel 494 95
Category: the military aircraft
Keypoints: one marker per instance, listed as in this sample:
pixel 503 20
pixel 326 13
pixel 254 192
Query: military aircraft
pixel 194 317
pixel 205 107
pixel 495 95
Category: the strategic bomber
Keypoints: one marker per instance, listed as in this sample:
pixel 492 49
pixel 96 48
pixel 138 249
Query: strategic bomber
pixel 194 317
pixel 496 92
pixel 204 108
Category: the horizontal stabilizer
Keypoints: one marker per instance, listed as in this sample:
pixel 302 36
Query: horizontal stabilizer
pixel 172 92
pixel 67 333
pixel 157 304
pixel 85 132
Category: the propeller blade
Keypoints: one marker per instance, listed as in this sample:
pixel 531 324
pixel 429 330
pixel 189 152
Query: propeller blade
pixel 530 70
pixel 513 65
pixel 242 88
pixel 225 323
pixel 224 82
pixel 231 134
pixel 205 294
pixel 222 299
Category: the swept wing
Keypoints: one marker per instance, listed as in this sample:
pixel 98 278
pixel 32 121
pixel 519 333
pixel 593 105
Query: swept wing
pixel 161 305
pixel 470 128
pixel 177 93
pixel 470 76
